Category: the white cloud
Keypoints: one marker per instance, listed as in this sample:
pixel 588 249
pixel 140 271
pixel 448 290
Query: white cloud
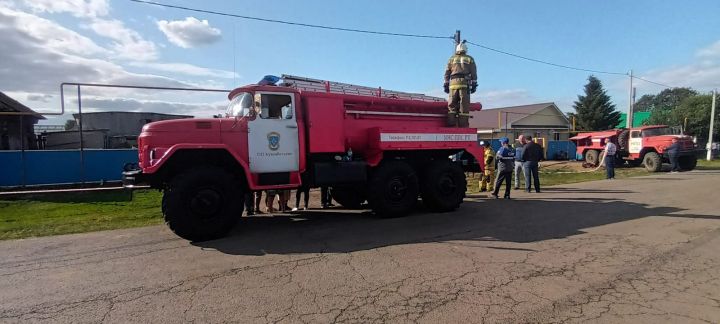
pixel 128 44
pixel 703 75
pixel 505 98
pixel 46 33
pixel 187 69
pixel 712 51
pixel 203 110
pixel 39 97
pixel 78 8
pixel 190 32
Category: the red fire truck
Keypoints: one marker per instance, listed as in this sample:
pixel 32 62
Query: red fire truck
pixel 641 145
pixel 368 144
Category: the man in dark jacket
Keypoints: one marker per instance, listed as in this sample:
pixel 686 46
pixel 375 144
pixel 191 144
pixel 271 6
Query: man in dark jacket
pixel 532 154
pixel 505 159
pixel 672 151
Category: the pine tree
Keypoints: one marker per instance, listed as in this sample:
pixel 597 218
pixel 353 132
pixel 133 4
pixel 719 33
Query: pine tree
pixel 594 110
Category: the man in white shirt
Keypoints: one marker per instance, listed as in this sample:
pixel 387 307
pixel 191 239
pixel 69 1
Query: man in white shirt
pixel 609 157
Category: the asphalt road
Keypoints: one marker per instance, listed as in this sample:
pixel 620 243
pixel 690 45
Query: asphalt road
pixel 640 250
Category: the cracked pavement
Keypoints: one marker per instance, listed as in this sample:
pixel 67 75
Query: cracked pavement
pixel 639 250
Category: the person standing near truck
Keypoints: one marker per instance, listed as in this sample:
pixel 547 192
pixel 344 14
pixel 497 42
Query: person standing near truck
pixel 609 158
pixel 486 180
pixel 460 82
pixel 672 152
pixel 532 154
pixel 505 158
pixel 518 169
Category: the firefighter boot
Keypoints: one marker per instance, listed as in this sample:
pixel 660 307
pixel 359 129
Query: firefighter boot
pixel 464 120
pixel 452 119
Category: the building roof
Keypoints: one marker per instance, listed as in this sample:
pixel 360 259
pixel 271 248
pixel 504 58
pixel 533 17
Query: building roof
pixel 11 105
pixel 497 118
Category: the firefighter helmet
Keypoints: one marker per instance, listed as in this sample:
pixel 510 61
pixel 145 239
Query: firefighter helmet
pixel 461 48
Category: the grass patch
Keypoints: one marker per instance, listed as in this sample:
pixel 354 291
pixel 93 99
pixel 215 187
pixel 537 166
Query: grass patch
pixel 564 176
pixel 64 213
pixel 708 165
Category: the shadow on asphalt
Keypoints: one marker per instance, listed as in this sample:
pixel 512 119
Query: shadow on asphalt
pixel 341 231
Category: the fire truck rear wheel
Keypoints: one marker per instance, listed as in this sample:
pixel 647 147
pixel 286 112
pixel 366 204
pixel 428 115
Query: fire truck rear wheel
pixel 687 163
pixel 393 189
pixel 202 204
pixel 592 156
pixel 348 197
pixel 652 162
pixel 443 186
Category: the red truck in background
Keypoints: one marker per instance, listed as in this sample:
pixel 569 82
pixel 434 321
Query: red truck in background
pixel 640 145
pixel 368 144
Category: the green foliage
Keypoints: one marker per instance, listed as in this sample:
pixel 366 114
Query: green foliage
pixel 693 113
pixel 594 110
pixel 70 124
pixel 666 99
pixel 54 214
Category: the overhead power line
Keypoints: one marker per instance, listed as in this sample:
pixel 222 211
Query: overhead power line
pixel 375 32
pixel 653 82
pixel 291 22
pixel 545 62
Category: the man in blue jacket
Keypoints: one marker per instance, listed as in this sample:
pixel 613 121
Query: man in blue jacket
pixel 505 162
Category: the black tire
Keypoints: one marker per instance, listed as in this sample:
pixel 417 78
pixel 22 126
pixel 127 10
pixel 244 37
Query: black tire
pixel 393 189
pixel 443 186
pixel 687 163
pixel 624 139
pixel 652 162
pixel 203 204
pixel 349 197
pixel 592 157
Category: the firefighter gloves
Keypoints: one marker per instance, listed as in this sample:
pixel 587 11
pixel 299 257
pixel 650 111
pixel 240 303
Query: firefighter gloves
pixel 446 87
pixel 473 87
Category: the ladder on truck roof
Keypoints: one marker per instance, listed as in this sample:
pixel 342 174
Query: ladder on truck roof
pixel 315 85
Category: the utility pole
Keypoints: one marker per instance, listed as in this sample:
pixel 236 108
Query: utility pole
pixel 457 37
pixel 712 123
pixel 629 119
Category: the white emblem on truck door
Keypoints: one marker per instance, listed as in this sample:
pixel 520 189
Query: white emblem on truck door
pixel 273 141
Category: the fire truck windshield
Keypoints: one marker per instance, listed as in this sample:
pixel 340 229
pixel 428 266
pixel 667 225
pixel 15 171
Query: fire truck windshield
pixel 240 105
pixel 657 132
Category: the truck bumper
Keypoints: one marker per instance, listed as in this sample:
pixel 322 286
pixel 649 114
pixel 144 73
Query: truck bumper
pixel 133 178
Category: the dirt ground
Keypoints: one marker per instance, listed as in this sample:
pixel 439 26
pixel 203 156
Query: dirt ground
pixel 635 250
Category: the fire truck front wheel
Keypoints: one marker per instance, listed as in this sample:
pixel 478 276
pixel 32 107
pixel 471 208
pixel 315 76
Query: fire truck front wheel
pixel 652 162
pixel 202 204
pixel 393 189
pixel 443 186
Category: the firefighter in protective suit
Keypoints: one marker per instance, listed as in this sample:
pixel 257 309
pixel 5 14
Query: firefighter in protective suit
pixel 487 181
pixel 460 82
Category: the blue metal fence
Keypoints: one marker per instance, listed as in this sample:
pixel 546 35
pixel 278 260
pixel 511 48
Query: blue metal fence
pixel 25 168
pixel 555 150
pixel 560 150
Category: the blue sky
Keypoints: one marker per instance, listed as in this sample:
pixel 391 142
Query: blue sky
pixel 118 41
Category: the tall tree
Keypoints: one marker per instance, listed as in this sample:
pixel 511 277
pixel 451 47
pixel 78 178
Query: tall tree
pixel 594 110
pixel 693 113
pixel 70 124
pixel 666 99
